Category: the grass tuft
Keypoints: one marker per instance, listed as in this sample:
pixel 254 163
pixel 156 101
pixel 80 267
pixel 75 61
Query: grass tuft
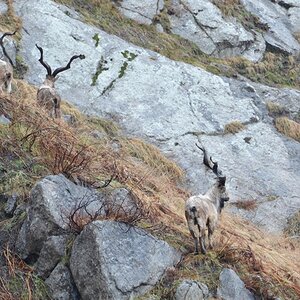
pixel 275 109
pixel 288 127
pixel 246 204
pixel 234 127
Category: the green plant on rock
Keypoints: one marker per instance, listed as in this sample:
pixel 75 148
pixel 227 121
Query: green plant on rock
pixel 96 38
pixel 101 67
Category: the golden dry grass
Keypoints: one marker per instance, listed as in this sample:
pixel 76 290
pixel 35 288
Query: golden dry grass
pixel 275 109
pixel 9 21
pixel 74 152
pixel 246 204
pixel 288 127
pixel 20 282
pixel 234 127
pixel 258 255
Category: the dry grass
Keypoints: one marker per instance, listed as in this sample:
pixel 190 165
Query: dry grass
pixel 20 282
pixel 275 109
pixel 35 138
pixel 268 264
pixel 234 8
pixel 9 21
pixel 297 36
pixel 288 127
pixel 246 204
pixel 293 226
pixel 234 127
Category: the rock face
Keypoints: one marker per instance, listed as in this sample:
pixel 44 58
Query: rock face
pixel 141 11
pixel 202 23
pixel 53 250
pixel 172 104
pixel 52 201
pixel 61 284
pixel 232 287
pixel 279 36
pixel 112 260
pixel 190 290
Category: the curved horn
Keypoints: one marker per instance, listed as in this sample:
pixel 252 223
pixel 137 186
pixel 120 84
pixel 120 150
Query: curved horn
pixel 61 69
pixel 41 60
pixel 208 162
pixel 213 165
pixel 2 46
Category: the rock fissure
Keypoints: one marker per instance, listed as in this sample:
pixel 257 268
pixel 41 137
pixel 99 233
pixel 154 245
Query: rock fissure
pixel 136 12
pixel 201 26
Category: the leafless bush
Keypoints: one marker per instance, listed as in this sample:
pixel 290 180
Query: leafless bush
pixel 92 208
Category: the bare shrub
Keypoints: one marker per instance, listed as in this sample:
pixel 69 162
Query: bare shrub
pixel 89 209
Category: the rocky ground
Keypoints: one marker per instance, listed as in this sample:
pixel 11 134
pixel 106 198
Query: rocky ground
pixel 79 242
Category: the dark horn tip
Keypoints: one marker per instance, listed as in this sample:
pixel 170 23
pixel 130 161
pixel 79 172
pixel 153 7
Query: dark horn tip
pixel 199 147
pixel 81 56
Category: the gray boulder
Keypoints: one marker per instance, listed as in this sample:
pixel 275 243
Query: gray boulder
pixel 279 36
pixel 191 290
pixel 52 252
pixel 141 11
pixel 112 260
pixel 232 287
pixel 61 284
pixel 203 23
pixel 52 201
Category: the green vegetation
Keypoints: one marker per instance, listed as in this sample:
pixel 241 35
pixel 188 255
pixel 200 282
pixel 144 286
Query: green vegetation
pixel 100 68
pixel 96 38
pixel 21 283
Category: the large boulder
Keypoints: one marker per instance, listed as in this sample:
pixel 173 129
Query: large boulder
pixel 231 287
pixel 171 104
pixel 53 202
pixel 279 36
pixel 112 260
